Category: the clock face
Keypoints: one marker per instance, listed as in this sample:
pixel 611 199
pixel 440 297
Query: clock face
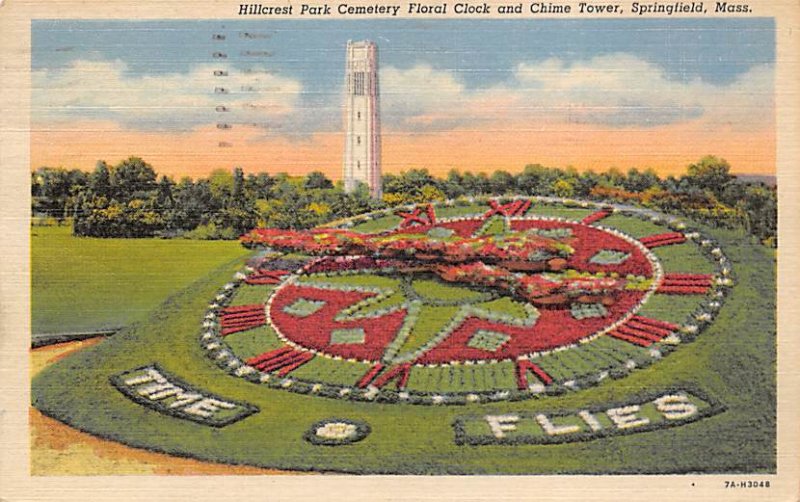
pixel 362 326
pixel 376 314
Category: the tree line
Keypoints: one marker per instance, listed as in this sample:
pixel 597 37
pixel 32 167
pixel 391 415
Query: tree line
pixel 130 199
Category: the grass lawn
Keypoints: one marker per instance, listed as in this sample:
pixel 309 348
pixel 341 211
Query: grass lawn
pixel 86 284
pixel 632 226
pixel 571 213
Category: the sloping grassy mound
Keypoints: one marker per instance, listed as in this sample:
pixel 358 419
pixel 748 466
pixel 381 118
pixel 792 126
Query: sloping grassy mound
pixel 733 361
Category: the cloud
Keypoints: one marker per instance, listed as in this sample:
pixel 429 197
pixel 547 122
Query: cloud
pixel 106 90
pixel 421 96
pixel 617 90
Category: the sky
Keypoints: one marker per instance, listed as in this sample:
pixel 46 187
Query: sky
pixel 475 95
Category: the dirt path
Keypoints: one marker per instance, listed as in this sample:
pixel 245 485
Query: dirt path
pixel 57 449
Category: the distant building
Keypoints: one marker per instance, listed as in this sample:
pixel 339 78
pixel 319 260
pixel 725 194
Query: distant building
pixel 362 120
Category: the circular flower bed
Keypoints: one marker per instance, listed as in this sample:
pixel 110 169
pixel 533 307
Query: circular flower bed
pixel 337 431
pixel 504 304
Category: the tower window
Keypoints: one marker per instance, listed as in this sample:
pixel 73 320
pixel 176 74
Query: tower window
pixel 358 140
pixel 358 115
pixel 358 83
pixel 358 164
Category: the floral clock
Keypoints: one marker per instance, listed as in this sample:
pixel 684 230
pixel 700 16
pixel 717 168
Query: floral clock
pixel 497 305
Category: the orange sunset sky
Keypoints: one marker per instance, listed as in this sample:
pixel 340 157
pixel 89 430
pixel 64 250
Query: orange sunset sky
pixel 668 150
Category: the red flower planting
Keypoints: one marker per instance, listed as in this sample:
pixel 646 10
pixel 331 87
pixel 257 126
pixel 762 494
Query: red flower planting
pixel 242 318
pixel 588 241
pixel 597 216
pixel 316 330
pixel 282 361
pixel 643 331
pixel 554 328
pixel 537 289
pixel 523 367
pixel 419 216
pixel 685 284
pixel 266 277
pixel 666 239
pixel 399 374
pixel 515 208
pixel 519 246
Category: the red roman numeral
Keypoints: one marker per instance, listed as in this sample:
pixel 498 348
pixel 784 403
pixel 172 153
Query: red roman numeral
pixel 282 361
pixel 653 241
pixel 262 276
pixel 241 318
pixel 515 208
pixel 418 216
pixel 399 373
pixel 685 284
pixel 643 331
pixel 594 217
pixel 523 367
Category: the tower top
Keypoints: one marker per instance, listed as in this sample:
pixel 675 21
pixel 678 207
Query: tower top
pixel 361 43
pixel 362 52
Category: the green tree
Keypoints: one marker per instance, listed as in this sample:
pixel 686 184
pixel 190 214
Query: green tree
pixel 132 178
pixel 100 179
pixel 317 180
pixel 259 184
pixel 501 182
pixel 611 178
pixel 536 179
pixel 195 204
pixel 408 183
pixel 237 188
pixel 710 173
pixel 563 188
pixel 453 184
pixel 760 205
pixel 585 182
pixel 220 181
pixel 637 181
pixel 164 198
pixel 430 193
pixel 53 188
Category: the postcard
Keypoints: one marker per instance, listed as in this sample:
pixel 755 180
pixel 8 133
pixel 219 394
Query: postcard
pixel 452 250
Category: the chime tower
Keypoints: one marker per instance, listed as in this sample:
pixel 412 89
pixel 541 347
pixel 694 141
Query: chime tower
pixel 362 123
